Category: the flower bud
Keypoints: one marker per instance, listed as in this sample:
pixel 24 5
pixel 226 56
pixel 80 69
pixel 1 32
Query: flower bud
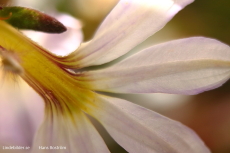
pixel 26 18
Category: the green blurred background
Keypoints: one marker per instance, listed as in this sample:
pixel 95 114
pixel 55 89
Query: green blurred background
pixel 207 113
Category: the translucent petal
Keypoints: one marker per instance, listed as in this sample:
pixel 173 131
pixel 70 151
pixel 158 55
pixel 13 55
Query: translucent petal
pixel 73 133
pixel 141 130
pixel 185 66
pixel 129 24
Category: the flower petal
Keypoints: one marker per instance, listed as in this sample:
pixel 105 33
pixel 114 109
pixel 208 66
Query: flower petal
pixel 140 130
pixel 129 23
pixel 70 133
pixel 185 66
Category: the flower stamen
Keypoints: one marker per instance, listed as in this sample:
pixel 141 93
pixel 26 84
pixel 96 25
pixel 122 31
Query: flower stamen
pixel 10 62
pixel 10 66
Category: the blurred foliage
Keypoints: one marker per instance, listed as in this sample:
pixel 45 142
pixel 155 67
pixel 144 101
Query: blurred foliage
pixel 210 18
pixel 5 2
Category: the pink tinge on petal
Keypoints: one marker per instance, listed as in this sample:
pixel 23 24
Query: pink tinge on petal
pixel 138 129
pixel 184 66
pixel 128 24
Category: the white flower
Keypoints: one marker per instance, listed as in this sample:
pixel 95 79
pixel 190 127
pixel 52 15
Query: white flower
pixel 186 66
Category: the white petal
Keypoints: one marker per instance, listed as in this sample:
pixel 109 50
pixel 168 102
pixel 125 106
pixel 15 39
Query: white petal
pixel 129 24
pixel 185 66
pixel 75 134
pixel 140 130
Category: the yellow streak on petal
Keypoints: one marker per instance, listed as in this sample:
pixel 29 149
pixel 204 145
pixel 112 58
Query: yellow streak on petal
pixel 42 73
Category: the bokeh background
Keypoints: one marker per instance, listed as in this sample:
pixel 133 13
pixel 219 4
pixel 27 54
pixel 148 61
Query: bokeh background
pixel 207 113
